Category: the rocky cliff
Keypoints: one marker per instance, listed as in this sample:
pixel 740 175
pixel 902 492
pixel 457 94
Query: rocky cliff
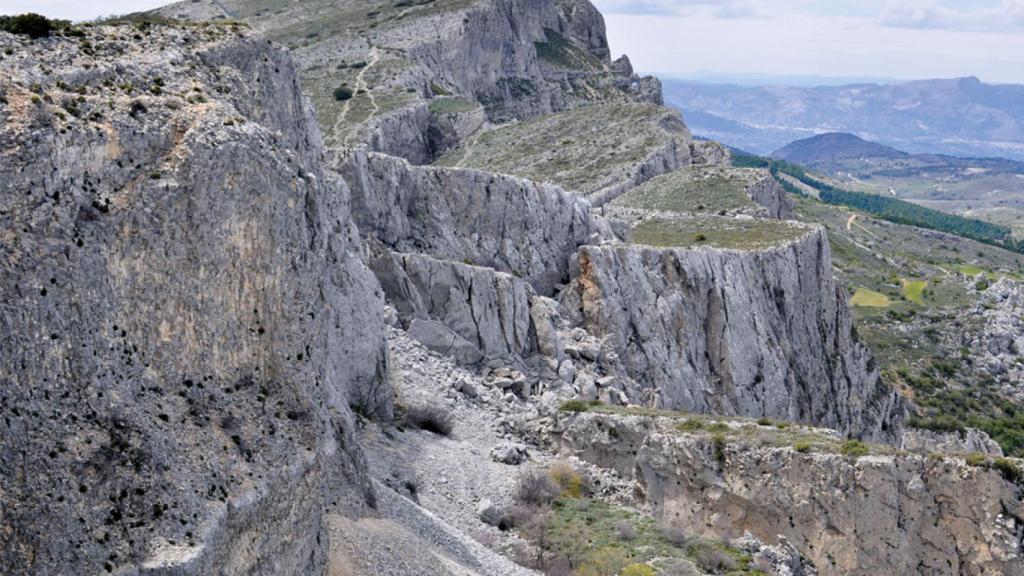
pixel 851 512
pixel 209 313
pixel 403 65
pixel 509 224
pixel 185 318
pixel 752 332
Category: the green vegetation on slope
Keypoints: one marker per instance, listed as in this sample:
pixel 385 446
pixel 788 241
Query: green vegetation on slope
pixel 574 531
pixel 918 345
pixel 902 212
pixel 717 232
pixel 707 189
pixel 451 105
pixel 869 298
pixel 914 290
pixel 583 150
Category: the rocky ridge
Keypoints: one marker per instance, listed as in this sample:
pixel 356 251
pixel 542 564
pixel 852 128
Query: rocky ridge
pixel 487 285
pixel 847 512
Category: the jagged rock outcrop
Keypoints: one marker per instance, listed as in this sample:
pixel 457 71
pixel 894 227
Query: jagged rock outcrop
pixel 769 194
pixel 998 345
pixel 970 441
pixel 738 332
pixel 506 223
pixel 468 312
pixel 519 58
pixel 877 514
pixel 185 318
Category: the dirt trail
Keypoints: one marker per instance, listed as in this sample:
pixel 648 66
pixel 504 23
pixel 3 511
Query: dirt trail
pixel 360 87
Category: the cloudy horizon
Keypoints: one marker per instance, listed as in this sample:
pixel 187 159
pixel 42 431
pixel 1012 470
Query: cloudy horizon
pixel 731 39
pixel 906 40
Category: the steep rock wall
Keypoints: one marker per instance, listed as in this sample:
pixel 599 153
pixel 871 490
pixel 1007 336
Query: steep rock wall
pixel 185 320
pixel 878 514
pixel 509 224
pixel 487 312
pixel 735 332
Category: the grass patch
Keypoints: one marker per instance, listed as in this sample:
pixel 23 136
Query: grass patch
pixel 869 299
pixel 701 189
pixel 717 232
pixel 914 290
pixel 583 150
pixel 560 51
pixel 451 105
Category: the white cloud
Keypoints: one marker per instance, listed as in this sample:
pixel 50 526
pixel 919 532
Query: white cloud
pixel 815 46
pixel 929 14
pixel 76 9
pixel 692 8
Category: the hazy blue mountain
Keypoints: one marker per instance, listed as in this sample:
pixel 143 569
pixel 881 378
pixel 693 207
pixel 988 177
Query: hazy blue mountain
pixel 963 116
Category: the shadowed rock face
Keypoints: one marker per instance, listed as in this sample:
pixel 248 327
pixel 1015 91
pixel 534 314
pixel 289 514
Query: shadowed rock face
pixel 180 305
pixel 880 514
pixel 509 224
pixel 751 333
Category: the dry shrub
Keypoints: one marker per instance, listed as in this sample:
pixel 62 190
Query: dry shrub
pixel 430 418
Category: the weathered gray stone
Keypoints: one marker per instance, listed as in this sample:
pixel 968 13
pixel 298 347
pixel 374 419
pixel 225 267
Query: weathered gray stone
pixel 879 514
pixel 969 441
pixel 488 310
pixel 509 224
pixel 489 512
pixel 180 304
pixel 511 454
pixel 752 333
pixel 444 340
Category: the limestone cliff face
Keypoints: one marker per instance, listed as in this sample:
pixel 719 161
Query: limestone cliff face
pixel 518 58
pixel 878 514
pixel 467 312
pixel 736 332
pixel 509 224
pixel 185 319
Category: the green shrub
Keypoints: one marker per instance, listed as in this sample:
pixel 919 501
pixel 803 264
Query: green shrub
pixel 569 480
pixel 606 561
pixel 690 425
pixel 638 570
pixel 802 446
pixel 711 558
pixel 574 406
pixel 854 449
pixel 976 459
pixel 1009 469
pixel 718 443
pixel 31 25
pixel 536 489
pixel 718 427
pixel 764 421
pixel 342 93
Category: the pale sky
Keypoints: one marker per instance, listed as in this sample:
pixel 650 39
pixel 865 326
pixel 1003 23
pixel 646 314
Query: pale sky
pixel 905 39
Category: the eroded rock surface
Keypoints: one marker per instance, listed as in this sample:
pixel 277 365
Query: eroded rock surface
pixel 185 323
pixel 506 223
pixel 876 514
pixel 736 332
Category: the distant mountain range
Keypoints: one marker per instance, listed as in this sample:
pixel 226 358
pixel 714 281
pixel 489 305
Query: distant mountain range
pixel 962 117
pixel 991 189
